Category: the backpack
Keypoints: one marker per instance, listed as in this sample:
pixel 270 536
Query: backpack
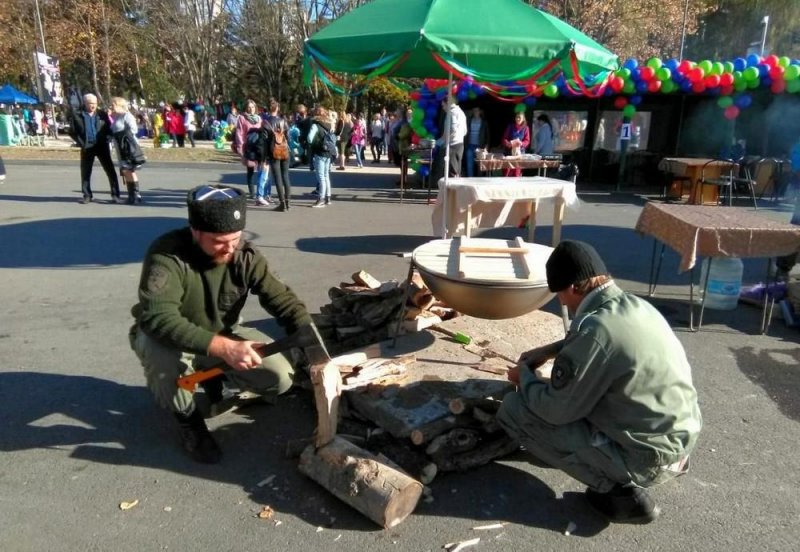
pixel 325 143
pixel 280 146
pixel 253 145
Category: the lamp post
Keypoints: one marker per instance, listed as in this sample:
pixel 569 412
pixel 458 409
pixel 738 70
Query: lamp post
pixel 764 22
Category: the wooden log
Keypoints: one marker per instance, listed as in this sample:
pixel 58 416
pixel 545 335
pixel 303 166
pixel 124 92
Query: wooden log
pixel 357 477
pixel 427 432
pixel 453 442
pixel 457 406
pixel 327 387
pixel 479 456
pixel 364 278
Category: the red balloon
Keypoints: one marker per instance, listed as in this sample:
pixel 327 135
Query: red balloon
pixel 647 73
pixel 776 72
pixel 731 112
pixel 414 95
pixel 620 102
pixel 699 86
pixel 772 60
pixel 712 81
pixel 414 139
pixel 696 75
pixel 654 85
pixel 725 79
pixel 726 90
pixel 778 86
pixel 684 67
pixel 616 83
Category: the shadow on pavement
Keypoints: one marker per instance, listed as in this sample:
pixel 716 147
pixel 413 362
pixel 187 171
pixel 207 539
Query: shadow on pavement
pixel 775 371
pixel 360 245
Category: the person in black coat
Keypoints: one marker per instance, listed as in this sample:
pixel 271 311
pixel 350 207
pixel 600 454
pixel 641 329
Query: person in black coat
pixel 91 129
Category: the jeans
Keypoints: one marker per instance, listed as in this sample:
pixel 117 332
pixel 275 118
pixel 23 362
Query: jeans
pixel 322 168
pixel 469 153
pixel 280 174
pixel 264 188
pixel 357 149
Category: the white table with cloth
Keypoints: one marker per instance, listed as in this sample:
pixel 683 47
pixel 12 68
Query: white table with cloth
pixel 493 202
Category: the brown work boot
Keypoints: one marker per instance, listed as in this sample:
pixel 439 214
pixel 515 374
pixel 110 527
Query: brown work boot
pixel 197 440
pixel 624 504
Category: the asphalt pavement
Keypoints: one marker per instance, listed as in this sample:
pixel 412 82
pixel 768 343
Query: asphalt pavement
pixel 80 433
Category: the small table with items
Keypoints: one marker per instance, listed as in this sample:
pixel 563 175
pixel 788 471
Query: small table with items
pixel 693 168
pixel 490 202
pixel 494 163
pixel 698 231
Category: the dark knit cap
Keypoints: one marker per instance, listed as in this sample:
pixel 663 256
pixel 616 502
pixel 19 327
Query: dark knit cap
pixel 572 262
pixel 216 209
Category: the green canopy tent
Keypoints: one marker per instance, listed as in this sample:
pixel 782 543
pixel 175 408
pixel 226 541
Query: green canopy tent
pixel 492 41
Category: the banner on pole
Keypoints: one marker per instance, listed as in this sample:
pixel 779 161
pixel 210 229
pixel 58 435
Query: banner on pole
pixel 49 73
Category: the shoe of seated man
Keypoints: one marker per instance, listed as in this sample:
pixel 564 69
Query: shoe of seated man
pixel 624 504
pixel 196 440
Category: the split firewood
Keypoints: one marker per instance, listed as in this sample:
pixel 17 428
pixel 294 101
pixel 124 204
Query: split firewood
pixel 479 456
pixel 422 321
pixel 364 278
pixel 427 432
pixel 382 387
pixel 491 367
pixel 368 376
pixel 460 405
pixel 453 442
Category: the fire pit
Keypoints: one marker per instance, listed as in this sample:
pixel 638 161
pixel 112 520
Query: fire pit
pixel 486 278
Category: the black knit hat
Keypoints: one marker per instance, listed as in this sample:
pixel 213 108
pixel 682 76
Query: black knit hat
pixel 216 209
pixel 572 262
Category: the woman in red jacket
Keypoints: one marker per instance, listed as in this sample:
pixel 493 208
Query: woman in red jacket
pixel 517 138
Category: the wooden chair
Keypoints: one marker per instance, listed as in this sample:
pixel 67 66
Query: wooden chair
pixel 671 179
pixel 723 181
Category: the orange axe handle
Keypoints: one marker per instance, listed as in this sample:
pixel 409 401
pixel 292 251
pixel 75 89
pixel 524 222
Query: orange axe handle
pixel 189 383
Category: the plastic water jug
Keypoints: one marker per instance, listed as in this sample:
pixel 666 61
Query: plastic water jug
pixel 724 282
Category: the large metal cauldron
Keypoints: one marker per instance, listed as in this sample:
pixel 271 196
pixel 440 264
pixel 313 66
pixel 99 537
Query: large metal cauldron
pixel 492 285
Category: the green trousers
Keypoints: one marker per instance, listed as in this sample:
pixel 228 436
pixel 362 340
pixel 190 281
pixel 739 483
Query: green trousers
pixel 163 365
pixel 581 450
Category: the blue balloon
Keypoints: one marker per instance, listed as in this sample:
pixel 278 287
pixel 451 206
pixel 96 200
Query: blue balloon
pixel 714 91
pixel 635 100
pixel 462 95
pixel 686 85
pixel 672 64
pixel 740 64
pixel 766 82
pixel 530 101
pixel 441 94
pixel 631 64
pixel 743 101
pixel 608 91
pixel 641 86
pixel 763 70
pixel 753 60
pixel 636 75
pixel 423 170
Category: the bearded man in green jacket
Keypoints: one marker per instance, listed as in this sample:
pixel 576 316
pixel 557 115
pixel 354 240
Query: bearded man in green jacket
pixel 193 287
pixel 618 410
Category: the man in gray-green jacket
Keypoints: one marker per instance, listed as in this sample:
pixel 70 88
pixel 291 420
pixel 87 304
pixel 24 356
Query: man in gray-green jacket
pixel 194 284
pixel 618 410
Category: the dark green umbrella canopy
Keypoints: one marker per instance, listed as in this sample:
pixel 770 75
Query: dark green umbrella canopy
pixel 488 40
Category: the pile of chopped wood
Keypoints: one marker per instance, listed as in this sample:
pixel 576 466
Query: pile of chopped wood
pixel 366 311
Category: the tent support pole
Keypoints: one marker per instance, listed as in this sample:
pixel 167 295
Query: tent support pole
pixel 447 123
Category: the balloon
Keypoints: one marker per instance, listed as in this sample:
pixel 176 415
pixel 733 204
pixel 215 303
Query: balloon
pixel 519 108
pixel 551 90
pixel 793 86
pixel 624 73
pixel 740 64
pixel 667 87
pixel 717 68
pixel 635 100
pixel 778 86
pixel 423 170
pixel 731 112
pixel 753 84
pixel 699 87
pixel 616 83
pixel 743 101
pixel 630 64
pixel 654 86
pixel 628 111
pixel 629 87
pixel 414 95
pixel 654 63
pixel 791 72
pixel 712 81
pixel 726 79
pixel 753 60
pixel 776 72
pixel 740 85
pixel 685 66
pixel 750 74
pixel 663 74
pixel 620 102
pixel 727 67
pixel 647 73
pixel 686 85
pixel 696 74
pixel 530 101
pixel 672 64
pixel 725 101
pixel 771 60
pixel 726 90
pixel 705 65
pixel 641 86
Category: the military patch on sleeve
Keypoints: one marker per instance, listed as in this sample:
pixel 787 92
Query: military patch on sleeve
pixel 157 279
pixel 563 372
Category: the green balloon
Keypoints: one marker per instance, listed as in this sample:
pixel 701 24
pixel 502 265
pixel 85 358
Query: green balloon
pixel 755 83
pixel 793 86
pixel 706 66
pixel 629 111
pixel 551 90
pixel 740 85
pixel 738 77
pixel 667 87
pixel 784 61
pixel 725 101
pixel 629 87
pixel 728 66
pixel 717 68
pixel 654 63
pixel 791 73
pixel 750 74
pixel 664 74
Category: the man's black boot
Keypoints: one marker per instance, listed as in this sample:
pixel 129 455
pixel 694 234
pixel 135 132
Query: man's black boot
pixel 624 504
pixel 197 440
pixel 131 194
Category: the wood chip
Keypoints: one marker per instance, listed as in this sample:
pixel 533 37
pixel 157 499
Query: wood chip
pixel 489 527
pixel 459 546
pixel 266 512
pixel 266 481
pixel 128 505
